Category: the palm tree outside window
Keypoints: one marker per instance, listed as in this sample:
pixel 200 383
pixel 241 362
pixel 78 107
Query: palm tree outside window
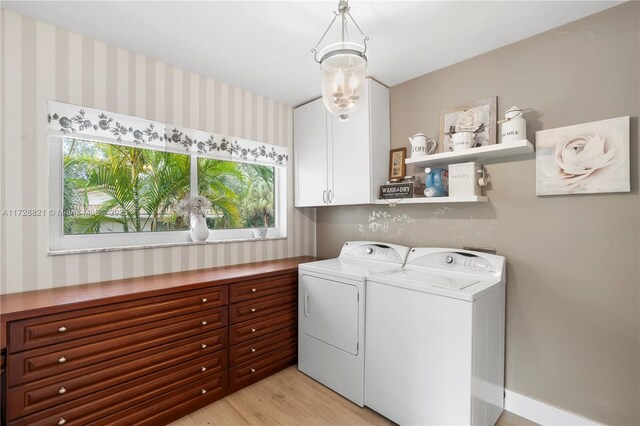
pixel 123 189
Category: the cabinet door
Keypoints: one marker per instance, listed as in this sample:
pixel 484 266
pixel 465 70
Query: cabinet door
pixel 310 151
pixel 350 161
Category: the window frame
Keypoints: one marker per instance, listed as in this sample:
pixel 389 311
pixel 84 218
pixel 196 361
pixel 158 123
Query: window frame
pixel 59 242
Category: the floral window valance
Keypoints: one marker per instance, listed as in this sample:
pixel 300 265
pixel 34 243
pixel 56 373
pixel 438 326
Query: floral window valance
pixel 87 123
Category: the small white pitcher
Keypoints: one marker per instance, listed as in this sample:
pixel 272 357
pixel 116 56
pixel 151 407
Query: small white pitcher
pixel 422 145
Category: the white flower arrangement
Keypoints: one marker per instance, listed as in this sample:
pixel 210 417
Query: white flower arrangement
pixel 197 205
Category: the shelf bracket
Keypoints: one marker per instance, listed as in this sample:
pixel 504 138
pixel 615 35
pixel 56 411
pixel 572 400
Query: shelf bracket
pixel 393 202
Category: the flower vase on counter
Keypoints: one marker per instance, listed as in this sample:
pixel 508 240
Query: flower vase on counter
pixel 196 207
pixel 199 230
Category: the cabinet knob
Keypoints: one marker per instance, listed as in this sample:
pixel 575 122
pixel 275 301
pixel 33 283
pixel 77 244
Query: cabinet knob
pixel 204 346
pixel 253 330
pixel 62 329
pixel 203 391
pixel 204 300
pixel 61 421
pixel 203 368
pixel 62 360
pixel 204 323
pixel 253 370
pixel 253 350
pixel 253 309
pixel 62 390
pixel 253 290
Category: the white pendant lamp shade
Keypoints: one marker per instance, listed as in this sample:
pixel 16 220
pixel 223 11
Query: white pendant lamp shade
pixel 343 68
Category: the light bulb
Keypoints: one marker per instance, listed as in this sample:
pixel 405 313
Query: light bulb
pixel 353 83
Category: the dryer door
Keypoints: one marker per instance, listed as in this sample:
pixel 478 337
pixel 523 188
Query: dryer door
pixel 330 312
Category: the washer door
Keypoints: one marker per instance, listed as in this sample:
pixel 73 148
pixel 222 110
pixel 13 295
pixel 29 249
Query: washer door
pixel 330 312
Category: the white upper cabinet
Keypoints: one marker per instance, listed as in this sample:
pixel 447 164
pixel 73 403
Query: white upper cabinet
pixel 310 154
pixel 342 163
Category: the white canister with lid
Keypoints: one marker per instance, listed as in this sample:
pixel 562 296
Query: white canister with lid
pixel 513 127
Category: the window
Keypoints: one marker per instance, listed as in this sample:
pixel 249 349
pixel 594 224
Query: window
pixel 112 188
pixel 115 195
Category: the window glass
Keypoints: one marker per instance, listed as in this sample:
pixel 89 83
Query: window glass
pixel 111 188
pixel 117 189
pixel 242 195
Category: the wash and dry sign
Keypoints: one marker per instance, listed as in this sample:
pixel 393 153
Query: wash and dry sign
pixel 396 190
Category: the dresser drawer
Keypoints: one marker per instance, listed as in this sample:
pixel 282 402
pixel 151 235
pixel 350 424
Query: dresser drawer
pixel 250 309
pixel 52 329
pixel 252 371
pixel 156 411
pixel 40 363
pixel 35 396
pixel 161 385
pixel 256 348
pixel 250 290
pixel 253 329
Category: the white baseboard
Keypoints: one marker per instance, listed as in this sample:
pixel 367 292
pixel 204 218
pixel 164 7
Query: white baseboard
pixel 542 413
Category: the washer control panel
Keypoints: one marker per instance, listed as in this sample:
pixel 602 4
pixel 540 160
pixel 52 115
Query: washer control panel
pixel 374 251
pixel 457 261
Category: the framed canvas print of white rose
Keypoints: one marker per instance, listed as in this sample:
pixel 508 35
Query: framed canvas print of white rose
pixel 583 159
pixel 477 117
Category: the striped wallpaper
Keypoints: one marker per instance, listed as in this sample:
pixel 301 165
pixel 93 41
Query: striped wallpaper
pixel 41 62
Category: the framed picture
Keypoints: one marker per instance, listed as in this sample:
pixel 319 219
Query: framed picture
pixel 396 163
pixel 584 159
pixel 477 117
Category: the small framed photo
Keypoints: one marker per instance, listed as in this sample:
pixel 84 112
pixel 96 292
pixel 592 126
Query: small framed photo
pixel 396 163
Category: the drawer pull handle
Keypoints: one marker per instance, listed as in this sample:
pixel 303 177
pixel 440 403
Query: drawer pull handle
pixel 203 391
pixel 253 290
pixel 61 421
pixel 62 390
pixel 253 370
pixel 253 350
pixel 204 323
pixel 203 368
pixel 62 360
pixel 204 300
pixel 253 309
pixel 62 329
pixel 204 346
pixel 253 330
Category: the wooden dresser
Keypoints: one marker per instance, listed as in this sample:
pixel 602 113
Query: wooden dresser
pixel 146 350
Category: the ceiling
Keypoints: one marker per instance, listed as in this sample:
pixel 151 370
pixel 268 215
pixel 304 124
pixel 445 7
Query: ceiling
pixel 264 46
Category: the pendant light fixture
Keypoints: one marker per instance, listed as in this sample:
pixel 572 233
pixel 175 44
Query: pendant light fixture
pixel 343 65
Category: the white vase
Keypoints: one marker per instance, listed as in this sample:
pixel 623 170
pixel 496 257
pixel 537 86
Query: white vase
pixel 199 231
pixel 260 233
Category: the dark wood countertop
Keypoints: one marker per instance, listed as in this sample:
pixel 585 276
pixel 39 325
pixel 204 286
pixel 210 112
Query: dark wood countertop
pixel 16 306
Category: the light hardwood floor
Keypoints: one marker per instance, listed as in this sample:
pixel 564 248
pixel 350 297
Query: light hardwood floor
pixel 291 398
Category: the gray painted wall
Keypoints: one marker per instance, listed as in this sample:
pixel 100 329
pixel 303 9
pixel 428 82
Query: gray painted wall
pixel 41 62
pixel 573 291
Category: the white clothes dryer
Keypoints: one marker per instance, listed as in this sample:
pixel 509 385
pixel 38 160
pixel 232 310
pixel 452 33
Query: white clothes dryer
pixel 435 339
pixel 331 314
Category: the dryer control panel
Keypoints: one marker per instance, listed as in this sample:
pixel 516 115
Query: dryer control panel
pixel 466 261
pixel 381 252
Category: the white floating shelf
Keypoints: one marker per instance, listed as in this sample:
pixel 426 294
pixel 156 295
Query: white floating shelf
pixel 429 200
pixel 483 154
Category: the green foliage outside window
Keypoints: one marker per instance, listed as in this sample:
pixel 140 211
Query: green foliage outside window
pixel 111 188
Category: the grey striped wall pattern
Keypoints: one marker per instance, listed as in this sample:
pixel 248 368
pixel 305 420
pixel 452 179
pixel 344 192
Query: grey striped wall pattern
pixel 41 62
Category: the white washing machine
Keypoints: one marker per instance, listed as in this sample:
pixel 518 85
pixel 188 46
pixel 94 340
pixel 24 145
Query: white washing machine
pixel 435 339
pixel 331 314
